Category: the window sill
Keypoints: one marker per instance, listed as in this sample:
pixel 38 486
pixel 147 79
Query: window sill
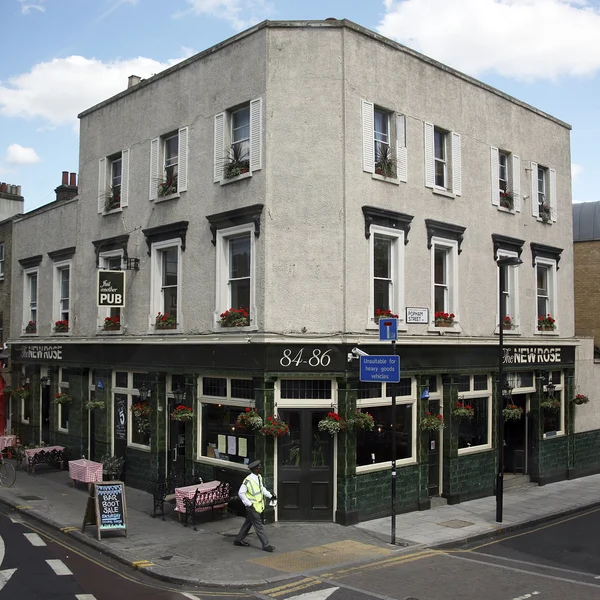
pixel 514 331
pixel 61 430
pixel 443 192
pixel 238 178
pixel 442 330
pixel 113 211
pixel 510 211
pixel 372 326
pixel 61 333
pixel 174 196
pixel 474 449
pixel 554 434
pixel 111 331
pixel 166 331
pixel 235 329
pixel 393 180
pixel 30 334
pixel 540 220
pixel 222 463
pixel 554 333
pixel 140 447
pixel 385 466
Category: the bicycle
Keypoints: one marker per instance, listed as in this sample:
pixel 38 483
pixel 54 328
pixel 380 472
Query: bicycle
pixel 7 472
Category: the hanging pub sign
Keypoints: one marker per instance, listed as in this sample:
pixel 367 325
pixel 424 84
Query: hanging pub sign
pixel 106 507
pixel 111 289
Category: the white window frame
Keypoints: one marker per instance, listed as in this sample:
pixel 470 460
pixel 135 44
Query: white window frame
pixel 104 260
pixel 156 295
pixel 227 400
pixel 2 257
pixel 552 293
pixel 366 403
pixel 223 296
pixel 472 393
pixel 559 393
pixel 396 269
pixel 106 180
pixel 21 408
pixel 451 247
pixel 442 159
pixel 452 161
pixel 57 304
pixel 132 398
pixel 512 282
pixel 27 273
pixel 63 387
pixel 512 178
pixel 158 166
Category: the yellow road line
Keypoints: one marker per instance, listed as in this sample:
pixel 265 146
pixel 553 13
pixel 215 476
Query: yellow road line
pixel 138 564
pixel 384 563
pixel 22 507
pixel 287 586
pixel 68 528
pixel 296 589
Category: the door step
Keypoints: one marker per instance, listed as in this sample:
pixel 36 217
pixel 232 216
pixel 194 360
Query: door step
pixel 516 482
pixel 438 501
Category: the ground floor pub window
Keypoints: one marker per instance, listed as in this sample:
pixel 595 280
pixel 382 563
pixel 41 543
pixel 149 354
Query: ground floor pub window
pixel 474 431
pixel 552 413
pixel 132 412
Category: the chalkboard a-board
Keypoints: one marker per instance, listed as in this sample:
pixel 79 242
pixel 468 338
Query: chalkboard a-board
pixel 106 507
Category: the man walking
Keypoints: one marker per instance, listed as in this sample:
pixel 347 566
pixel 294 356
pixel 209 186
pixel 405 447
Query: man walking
pixel 252 493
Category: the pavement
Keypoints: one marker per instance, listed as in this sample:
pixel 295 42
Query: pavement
pixel 167 550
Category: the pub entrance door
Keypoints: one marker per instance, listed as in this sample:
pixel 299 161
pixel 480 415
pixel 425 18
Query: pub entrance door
pixel 433 454
pixel 305 468
pixel 45 414
pixel 120 427
pixel 515 438
pixel 176 439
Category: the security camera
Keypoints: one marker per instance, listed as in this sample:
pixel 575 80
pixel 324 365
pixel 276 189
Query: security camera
pixel 359 352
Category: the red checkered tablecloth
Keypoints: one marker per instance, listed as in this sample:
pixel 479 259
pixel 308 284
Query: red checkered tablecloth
pixel 7 440
pixel 190 490
pixel 31 452
pixel 84 470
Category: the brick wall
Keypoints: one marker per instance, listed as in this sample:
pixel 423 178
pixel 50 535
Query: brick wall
pixel 586 258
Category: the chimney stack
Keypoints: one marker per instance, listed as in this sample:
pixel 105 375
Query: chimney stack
pixel 133 80
pixel 10 191
pixel 68 187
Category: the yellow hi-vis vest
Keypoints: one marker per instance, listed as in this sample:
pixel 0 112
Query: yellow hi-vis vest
pixel 254 494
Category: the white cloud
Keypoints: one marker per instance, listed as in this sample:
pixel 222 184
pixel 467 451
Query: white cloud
pixel 58 90
pixel 576 170
pixel 522 39
pixel 241 14
pixel 18 155
pixel 27 6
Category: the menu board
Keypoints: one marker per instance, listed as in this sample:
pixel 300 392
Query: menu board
pixel 106 508
pixel 120 417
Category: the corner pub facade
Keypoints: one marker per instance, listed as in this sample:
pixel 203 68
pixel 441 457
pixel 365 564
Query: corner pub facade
pixel 311 253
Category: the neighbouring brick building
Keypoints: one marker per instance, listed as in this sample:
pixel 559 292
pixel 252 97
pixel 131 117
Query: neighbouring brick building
pixel 309 176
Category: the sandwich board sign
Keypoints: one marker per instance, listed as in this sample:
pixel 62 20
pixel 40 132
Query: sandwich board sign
pixel 106 508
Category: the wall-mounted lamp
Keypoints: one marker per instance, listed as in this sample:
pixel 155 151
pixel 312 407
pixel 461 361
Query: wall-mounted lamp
pixel 178 393
pixel 507 390
pixel 550 388
pixel 45 380
pixel 144 392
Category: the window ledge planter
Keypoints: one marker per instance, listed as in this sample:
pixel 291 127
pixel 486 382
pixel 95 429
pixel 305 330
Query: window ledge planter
pixel 166 321
pixel 31 327
pixel 444 319
pixel 236 178
pixel 235 318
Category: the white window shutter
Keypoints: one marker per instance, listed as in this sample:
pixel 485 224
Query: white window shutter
pixel 125 178
pixel 256 135
pixel 368 124
pixel 401 151
pixel 182 167
pixel 456 164
pixel 101 184
pixel 535 208
pixel 516 181
pixel 429 168
pixel 219 146
pixel 553 207
pixel 494 160
pixel 154 168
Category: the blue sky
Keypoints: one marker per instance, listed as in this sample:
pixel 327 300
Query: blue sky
pixel 59 57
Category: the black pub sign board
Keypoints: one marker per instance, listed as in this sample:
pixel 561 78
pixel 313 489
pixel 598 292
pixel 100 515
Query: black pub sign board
pixel 111 288
pixel 106 507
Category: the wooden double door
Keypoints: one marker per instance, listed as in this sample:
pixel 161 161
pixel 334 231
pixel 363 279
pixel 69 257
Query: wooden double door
pixel 305 468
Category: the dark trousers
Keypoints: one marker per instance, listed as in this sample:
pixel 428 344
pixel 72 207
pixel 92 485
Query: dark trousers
pixel 253 519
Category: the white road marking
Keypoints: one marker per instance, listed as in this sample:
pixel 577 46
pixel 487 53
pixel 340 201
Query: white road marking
pixel 86 597
pixel 188 595
pixel 15 520
pixel 35 539
pixel 318 595
pixel 59 567
pixel 5 576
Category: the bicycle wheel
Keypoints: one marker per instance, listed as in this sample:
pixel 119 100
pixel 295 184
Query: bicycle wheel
pixel 7 474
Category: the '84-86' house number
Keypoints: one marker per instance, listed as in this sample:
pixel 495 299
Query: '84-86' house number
pixel 305 357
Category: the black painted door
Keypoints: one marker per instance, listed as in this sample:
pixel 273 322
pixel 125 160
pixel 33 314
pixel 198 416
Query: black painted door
pixel 176 457
pixel 515 436
pixel 120 428
pixel 45 414
pixel 305 468
pixel 433 454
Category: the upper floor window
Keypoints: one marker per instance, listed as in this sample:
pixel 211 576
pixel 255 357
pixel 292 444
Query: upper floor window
pixel 508 283
pixel 1 261
pixel 169 164
pixel 444 270
pixel 30 301
pixel 442 160
pixel 238 141
pixel 545 271
pixel 506 180
pixel 543 193
pixel 113 182
pixel 166 279
pixel 111 318
pixel 384 142
pixel 62 295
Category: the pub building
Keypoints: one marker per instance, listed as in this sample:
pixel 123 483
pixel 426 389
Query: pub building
pixel 317 476
pixel 246 284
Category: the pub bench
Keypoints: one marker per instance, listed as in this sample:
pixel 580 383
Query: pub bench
pixel 163 490
pixel 53 456
pixel 202 501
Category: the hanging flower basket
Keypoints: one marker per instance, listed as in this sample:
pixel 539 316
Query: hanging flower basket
pixel 332 423
pixel 250 419
pixel 512 412
pixel 386 313
pixel 432 422
pixel 443 319
pixel 31 327
pixel 20 393
pixel 274 427
pixel 141 409
pixel 550 404
pixel 360 420
pixel 94 404
pixel 463 411
pixel 62 398
pixel 581 399
pixel 182 413
pixel 235 317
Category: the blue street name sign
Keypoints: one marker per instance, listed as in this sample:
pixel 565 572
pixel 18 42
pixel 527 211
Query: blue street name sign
pixel 388 329
pixel 380 368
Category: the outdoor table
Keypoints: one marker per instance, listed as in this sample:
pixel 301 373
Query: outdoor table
pixel 30 454
pixel 7 441
pixel 86 471
pixel 189 491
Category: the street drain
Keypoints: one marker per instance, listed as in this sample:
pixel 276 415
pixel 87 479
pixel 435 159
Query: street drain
pixel 30 498
pixel 456 524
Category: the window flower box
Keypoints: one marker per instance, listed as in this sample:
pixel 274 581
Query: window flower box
pixel 384 313
pixel 360 420
pixel 274 427
pixel 141 412
pixel 182 413
pixel 546 323
pixel 545 212
pixel 385 165
pixel 444 319
pixel 507 324
pixel 235 317
pixel 31 327
pixel 332 423
pixel 61 326
pixel 250 419
pixel 62 398
pixel 431 422
pixel 512 412
pixel 581 399
pixel 237 161
pixel 507 200
pixel 113 200
pixel 165 321
pixel 168 187
pixel 112 323
pixel 463 411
